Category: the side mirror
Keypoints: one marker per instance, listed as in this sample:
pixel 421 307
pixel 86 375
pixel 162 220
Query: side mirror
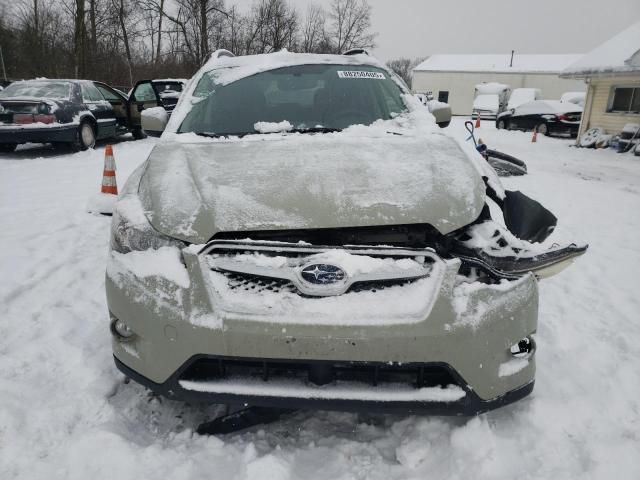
pixel 154 121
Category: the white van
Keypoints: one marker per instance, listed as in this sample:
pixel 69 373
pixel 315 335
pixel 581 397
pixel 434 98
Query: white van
pixel 490 99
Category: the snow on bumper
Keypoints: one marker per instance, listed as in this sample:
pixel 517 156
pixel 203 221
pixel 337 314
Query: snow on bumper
pixel 174 314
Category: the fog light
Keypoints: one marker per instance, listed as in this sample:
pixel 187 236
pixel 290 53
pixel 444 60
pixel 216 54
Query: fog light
pixel 121 329
pixel 524 348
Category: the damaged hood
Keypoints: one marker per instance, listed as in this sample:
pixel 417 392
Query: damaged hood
pixel 192 191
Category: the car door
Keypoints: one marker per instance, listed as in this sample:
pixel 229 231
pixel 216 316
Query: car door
pixel 142 96
pixel 100 108
pixel 118 103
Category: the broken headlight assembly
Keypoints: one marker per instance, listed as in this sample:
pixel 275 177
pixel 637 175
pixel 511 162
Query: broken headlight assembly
pixel 130 233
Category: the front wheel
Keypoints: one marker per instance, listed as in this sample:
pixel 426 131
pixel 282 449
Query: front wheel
pixel 502 125
pixel 8 147
pixel 543 129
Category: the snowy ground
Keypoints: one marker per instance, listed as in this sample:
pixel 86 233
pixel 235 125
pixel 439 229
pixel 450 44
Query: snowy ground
pixel 65 412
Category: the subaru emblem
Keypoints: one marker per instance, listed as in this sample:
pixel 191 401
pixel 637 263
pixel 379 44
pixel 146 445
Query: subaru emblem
pixel 323 274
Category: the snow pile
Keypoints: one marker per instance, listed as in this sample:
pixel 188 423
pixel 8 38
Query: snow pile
pixel 512 367
pixel 337 391
pixel 487 102
pixel 620 54
pixel 271 127
pixel 541 107
pixel 491 88
pixel 522 95
pixel 394 305
pixel 165 262
pixel 102 203
pixel 522 63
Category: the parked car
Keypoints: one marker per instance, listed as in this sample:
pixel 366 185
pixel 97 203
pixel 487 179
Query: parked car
pixel 302 237
pixel 148 94
pixel 574 97
pixel 490 99
pixel 63 112
pixel 548 117
pixel 520 96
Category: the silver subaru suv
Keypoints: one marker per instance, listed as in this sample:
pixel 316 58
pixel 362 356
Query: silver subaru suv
pixel 304 235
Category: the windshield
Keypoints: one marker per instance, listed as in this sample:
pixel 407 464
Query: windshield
pixel 304 97
pixel 60 90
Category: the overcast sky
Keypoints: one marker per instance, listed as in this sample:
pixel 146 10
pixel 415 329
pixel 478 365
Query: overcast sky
pixel 418 28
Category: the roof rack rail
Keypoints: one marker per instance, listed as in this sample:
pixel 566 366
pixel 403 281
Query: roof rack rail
pixel 356 51
pixel 222 53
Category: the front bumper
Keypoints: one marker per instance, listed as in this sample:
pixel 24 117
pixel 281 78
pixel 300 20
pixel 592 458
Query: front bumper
pixel 468 404
pixel 468 330
pixel 45 134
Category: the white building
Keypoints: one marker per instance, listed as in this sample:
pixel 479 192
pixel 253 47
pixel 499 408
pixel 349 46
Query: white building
pixel 452 78
pixel 612 71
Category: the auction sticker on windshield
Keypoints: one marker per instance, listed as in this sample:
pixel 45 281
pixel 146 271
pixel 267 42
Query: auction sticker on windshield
pixel 360 74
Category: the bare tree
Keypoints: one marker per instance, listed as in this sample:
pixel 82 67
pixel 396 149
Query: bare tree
pixel 314 30
pixel 350 24
pixel 403 67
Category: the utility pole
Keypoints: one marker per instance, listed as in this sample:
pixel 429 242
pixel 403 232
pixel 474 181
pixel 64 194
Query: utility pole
pixel 4 72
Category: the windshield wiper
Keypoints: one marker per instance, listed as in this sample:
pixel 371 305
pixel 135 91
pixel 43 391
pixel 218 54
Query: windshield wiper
pixel 314 130
pixel 223 135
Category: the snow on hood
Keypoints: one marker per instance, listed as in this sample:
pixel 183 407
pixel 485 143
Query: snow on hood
pixel 293 181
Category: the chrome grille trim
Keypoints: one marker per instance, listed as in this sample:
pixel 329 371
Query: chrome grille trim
pixel 223 256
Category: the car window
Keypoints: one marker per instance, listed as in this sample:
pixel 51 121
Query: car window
pixel 90 93
pixel 144 93
pixel 307 96
pixel 38 89
pixel 108 94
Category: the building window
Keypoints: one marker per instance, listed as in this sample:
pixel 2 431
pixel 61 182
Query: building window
pixel 443 96
pixel 625 100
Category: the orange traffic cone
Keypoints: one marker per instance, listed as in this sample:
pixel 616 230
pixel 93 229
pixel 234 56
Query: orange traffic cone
pixel 109 184
pixel 478 120
pixel 534 139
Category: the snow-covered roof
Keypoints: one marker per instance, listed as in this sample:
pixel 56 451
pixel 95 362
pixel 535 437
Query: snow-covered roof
pixel 500 63
pixel 620 54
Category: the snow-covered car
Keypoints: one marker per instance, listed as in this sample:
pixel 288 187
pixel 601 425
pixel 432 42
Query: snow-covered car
pixel 304 235
pixel 548 117
pixel 71 112
pixel 523 95
pixel 490 99
pixel 574 97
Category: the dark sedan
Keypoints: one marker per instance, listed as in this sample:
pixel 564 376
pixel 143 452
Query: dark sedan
pixel 72 112
pixel 548 117
pixel 62 112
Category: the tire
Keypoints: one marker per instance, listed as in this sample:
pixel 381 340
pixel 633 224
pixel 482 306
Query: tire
pixel 543 129
pixel 502 124
pixel 590 137
pixel 138 134
pixel 85 137
pixel 8 147
pixel 444 124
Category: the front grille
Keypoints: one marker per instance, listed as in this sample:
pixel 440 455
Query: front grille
pixel 319 372
pixel 261 267
pixel 258 284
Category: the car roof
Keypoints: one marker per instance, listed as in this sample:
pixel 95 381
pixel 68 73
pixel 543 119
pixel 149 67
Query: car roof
pixel 246 65
pixel 548 106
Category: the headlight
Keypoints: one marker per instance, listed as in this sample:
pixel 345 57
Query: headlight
pixel 131 231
